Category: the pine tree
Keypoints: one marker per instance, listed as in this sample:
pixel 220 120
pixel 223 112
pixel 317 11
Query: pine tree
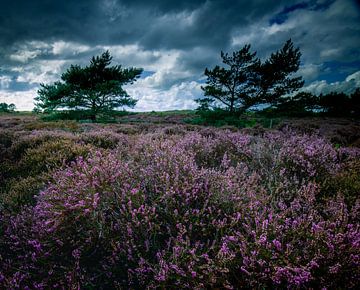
pixel 96 88
pixel 246 81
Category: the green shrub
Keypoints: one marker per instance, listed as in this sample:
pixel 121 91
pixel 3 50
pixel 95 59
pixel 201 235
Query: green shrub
pixel 219 118
pixel 51 154
pixel 30 161
pixel 347 182
pixel 65 125
pixel 21 192
pixel 102 138
pixel 66 115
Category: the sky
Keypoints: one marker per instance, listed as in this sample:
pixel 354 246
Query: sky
pixel 173 41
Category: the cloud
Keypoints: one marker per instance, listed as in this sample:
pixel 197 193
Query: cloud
pixel 23 52
pixel 174 40
pixel 23 100
pixel 315 31
pixel 310 71
pixel 180 96
pixel 65 48
pixel 347 86
pixel 354 77
pixel 41 71
pixel 4 82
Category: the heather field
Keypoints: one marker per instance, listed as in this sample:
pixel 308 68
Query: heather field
pixel 151 201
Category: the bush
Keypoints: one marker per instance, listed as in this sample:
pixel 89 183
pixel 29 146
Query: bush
pixel 21 192
pixel 219 117
pixel 71 126
pixel 28 175
pixel 28 158
pixel 103 138
pixel 51 155
pixel 347 180
pixel 66 115
pixel 208 209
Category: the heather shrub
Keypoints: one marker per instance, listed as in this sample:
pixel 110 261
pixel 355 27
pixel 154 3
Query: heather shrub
pixel 346 181
pixel 26 177
pixel 9 122
pixel 51 154
pixel 207 209
pixel 6 139
pixel 21 191
pixel 212 146
pixel 13 156
pixel 174 130
pixel 308 156
pixel 71 126
pixel 127 129
pixel 103 138
pixel 32 156
pixel 25 140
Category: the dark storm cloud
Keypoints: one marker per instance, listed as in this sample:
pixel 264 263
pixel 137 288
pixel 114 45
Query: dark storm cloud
pixel 175 40
pixel 185 24
pixel 38 20
pixel 152 23
pixel 163 6
pixel 193 26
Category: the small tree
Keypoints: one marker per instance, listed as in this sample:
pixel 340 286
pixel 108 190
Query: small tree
pixel 246 81
pixel 96 88
pixel 8 108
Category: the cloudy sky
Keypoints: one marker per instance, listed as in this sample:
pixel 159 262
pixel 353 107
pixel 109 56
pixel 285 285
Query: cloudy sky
pixel 173 41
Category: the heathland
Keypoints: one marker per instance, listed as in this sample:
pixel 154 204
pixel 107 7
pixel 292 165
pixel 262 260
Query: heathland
pixel 154 200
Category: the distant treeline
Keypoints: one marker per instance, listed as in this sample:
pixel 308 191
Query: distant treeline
pixel 302 104
pixel 333 104
pixel 7 108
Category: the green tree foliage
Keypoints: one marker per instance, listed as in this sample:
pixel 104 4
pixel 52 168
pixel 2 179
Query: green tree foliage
pixel 340 104
pixel 7 108
pixel 96 88
pixel 301 104
pixel 335 104
pixel 246 81
pixel 232 86
pixel 355 103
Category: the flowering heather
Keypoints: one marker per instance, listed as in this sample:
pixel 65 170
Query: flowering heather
pixel 103 138
pixel 193 210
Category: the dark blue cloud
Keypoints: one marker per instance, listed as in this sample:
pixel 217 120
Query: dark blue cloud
pixel 281 17
pixel 314 5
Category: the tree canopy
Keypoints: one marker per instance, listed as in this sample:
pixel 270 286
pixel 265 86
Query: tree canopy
pixel 7 108
pixel 96 88
pixel 246 81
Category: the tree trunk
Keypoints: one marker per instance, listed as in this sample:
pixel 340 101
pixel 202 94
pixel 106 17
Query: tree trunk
pixel 93 112
pixel 232 103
